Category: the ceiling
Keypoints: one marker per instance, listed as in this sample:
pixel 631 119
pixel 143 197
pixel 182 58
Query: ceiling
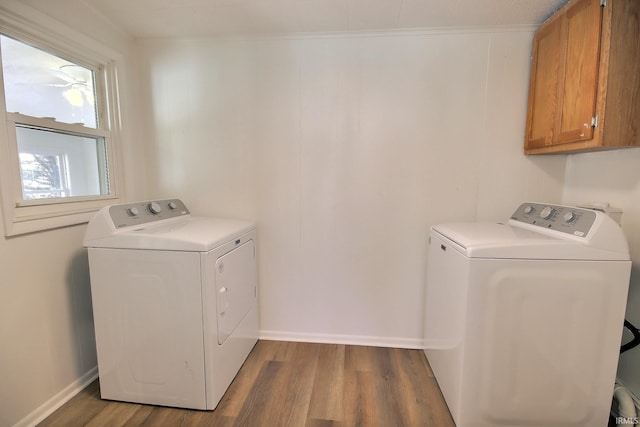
pixel 211 18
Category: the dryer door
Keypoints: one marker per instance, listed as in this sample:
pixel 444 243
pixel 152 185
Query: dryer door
pixel 236 286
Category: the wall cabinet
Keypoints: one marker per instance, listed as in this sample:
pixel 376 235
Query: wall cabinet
pixel 584 92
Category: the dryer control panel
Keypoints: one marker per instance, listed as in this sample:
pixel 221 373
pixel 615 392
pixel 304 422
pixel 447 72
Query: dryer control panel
pixel 565 219
pixel 132 214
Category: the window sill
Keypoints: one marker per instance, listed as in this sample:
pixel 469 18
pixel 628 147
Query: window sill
pixel 26 219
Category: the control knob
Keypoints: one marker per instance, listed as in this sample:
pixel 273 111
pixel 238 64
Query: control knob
pixel 529 209
pixel 547 212
pixel 133 211
pixel 569 217
pixel 155 208
pixel 172 205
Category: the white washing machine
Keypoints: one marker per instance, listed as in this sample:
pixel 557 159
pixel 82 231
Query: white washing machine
pixel 524 320
pixel 174 302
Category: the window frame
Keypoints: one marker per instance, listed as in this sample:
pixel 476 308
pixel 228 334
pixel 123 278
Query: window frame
pixel 25 216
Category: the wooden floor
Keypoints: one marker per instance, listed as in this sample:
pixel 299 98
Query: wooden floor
pixel 294 384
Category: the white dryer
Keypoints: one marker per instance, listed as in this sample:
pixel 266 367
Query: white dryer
pixel 174 302
pixel 524 320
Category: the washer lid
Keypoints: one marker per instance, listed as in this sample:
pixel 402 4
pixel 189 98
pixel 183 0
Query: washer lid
pixel 498 240
pixel 196 234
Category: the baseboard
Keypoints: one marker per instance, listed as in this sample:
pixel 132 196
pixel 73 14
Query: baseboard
pixel 409 343
pixel 62 397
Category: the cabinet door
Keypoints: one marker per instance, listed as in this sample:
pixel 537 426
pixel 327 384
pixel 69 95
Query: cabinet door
pixel 579 72
pixel 543 88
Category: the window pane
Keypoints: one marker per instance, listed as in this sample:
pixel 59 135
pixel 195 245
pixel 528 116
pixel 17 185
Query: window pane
pixel 54 164
pixel 39 84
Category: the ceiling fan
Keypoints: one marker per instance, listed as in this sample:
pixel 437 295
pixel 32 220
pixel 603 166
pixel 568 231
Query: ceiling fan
pixel 75 78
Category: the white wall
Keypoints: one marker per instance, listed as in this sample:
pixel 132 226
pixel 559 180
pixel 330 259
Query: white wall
pixel 345 149
pixel 46 323
pixel 614 177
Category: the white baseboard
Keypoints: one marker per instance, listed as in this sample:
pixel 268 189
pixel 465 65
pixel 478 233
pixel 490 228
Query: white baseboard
pixel 59 399
pixel 409 343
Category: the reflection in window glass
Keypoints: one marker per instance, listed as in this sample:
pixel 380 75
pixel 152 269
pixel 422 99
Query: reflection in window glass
pixel 43 176
pixel 39 84
pixel 56 164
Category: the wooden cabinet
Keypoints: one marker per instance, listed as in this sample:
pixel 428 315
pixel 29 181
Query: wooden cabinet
pixel 584 92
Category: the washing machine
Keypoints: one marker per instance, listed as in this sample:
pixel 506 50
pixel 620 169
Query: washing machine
pixel 174 302
pixel 524 319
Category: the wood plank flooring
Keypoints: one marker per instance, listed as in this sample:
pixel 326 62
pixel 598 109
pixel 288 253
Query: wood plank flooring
pixel 294 384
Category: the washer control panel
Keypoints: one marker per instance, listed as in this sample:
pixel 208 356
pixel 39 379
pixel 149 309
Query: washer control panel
pixel 132 214
pixel 566 219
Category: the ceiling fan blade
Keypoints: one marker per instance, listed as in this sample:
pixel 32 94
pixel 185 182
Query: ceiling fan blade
pixel 64 76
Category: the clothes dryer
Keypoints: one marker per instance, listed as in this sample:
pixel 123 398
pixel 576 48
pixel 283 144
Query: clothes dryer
pixel 524 319
pixel 174 302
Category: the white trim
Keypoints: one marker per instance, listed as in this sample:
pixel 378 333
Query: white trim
pixel 59 399
pixel 393 342
pixel 58 201
pixel 28 23
pixel 66 220
pixel 351 34
pixel 49 123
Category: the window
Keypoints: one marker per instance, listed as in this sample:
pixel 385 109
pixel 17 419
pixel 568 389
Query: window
pixel 57 165
pixel 60 165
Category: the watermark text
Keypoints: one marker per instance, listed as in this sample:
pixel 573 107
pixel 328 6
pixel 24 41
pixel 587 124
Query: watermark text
pixel 627 420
